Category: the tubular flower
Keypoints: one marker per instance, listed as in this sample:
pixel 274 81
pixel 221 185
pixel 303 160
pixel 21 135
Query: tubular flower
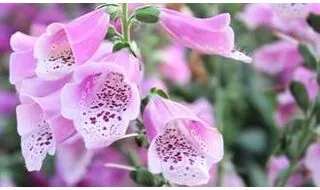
pixel 41 127
pixel 102 99
pixel 183 147
pixel 57 51
pixel 211 35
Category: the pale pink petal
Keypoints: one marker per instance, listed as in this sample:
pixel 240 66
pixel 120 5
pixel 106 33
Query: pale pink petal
pixel 181 161
pixel 22 42
pixel 185 145
pixel 73 160
pixel 101 103
pixel 131 65
pixel 38 87
pixel 36 136
pixel 63 46
pixel 62 128
pixel 217 37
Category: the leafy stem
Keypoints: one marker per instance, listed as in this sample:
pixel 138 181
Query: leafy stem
pixel 125 23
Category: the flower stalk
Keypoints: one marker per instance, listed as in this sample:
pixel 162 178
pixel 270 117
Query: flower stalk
pixel 125 23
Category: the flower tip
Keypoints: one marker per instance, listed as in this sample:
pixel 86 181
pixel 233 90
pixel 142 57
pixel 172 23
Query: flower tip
pixel 239 56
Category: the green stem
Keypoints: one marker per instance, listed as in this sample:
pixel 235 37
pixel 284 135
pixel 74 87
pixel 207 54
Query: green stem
pixel 125 23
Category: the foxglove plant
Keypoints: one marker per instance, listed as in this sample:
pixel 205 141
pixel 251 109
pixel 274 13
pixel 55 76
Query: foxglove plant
pixel 74 84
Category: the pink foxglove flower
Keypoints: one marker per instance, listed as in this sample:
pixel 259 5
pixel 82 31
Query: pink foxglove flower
pixel 312 162
pixel 41 127
pixel 174 64
pixel 276 165
pixel 103 99
pixel 183 147
pixel 23 65
pixel 278 59
pixel 217 37
pixel 63 46
pixel 56 52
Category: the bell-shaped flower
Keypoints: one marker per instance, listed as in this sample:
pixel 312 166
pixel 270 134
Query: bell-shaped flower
pixel 312 162
pixel 183 147
pixel 210 35
pixel 103 99
pixel 41 127
pixel 277 59
pixel 56 52
pixel 63 46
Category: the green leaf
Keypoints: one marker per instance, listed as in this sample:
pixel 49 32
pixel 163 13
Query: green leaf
pixel 300 95
pixel 148 14
pixel 309 56
pixel 314 21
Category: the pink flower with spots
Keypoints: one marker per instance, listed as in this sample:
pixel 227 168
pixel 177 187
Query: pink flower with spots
pixel 183 147
pixel 103 98
pixel 216 38
pixel 312 162
pixel 41 127
pixel 56 52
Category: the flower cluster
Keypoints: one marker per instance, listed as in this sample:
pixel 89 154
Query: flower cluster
pixel 79 95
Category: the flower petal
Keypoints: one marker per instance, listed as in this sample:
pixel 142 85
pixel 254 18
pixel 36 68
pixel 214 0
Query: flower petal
pixel 101 103
pixel 36 135
pixel 63 46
